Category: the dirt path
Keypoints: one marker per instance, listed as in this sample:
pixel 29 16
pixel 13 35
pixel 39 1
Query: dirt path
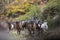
pixel 12 35
pixel 23 35
pixel 5 35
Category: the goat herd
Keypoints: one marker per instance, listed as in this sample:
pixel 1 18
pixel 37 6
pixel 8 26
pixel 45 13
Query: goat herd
pixel 31 25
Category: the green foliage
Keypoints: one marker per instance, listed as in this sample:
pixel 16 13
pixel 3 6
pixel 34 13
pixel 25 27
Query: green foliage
pixel 32 11
pixel 51 9
pixel 20 5
pixel 27 7
pixel 12 8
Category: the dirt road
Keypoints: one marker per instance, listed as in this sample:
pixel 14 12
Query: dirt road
pixel 5 35
pixel 12 35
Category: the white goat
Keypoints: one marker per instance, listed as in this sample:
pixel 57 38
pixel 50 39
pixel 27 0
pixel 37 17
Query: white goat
pixel 12 26
pixel 44 26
